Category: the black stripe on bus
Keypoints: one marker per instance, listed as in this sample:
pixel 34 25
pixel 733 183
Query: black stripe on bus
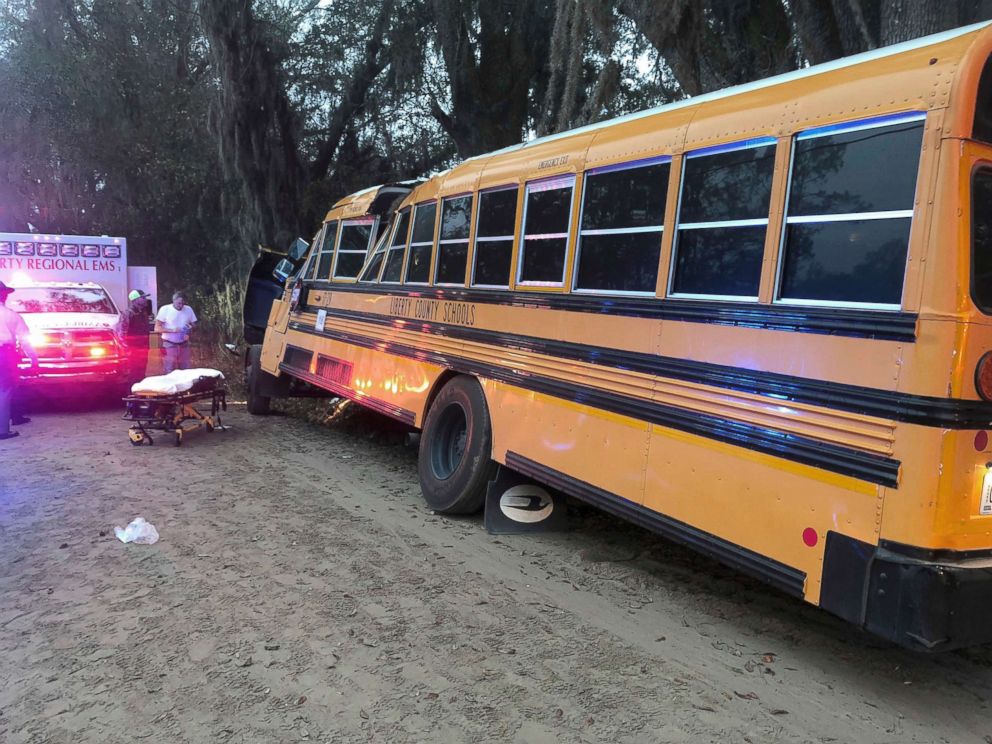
pixel 887 325
pixel 779 575
pixel 402 414
pixel 945 413
pixel 848 461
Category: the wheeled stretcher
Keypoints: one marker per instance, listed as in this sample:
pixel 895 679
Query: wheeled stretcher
pixel 166 403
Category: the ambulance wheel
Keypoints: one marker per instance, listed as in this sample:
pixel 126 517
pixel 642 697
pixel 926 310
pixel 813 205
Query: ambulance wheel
pixel 258 404
pixel 455 463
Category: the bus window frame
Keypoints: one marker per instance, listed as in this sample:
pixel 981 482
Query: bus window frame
pixel 436 257
pixel 521 244
pixel 411 245
pixel 493 238
pixel 874 122
pixel 401 247
pixel 628 165
pixel 748 144
pixel 337 247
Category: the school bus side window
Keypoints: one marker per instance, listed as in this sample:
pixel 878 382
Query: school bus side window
pixel 326 256
pixel 355 237
pixel 494 230
pixel 623 216
pixel 452 243
pixel 418 265
pixel 983 106
pixel 547 215
pixel 981 239
pixel 849 212
pixel 393 271
pixel 723 218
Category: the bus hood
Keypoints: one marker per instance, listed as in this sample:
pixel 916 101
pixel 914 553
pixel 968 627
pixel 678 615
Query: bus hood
pixel 47 321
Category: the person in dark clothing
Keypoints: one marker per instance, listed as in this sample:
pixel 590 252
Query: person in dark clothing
pixel 13 341
pixel 135 329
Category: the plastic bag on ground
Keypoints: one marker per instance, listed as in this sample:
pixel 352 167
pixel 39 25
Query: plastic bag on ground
pixel 139 531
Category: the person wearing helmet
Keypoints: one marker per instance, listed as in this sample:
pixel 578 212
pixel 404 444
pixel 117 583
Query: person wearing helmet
pixel 135 330
pixel 13 333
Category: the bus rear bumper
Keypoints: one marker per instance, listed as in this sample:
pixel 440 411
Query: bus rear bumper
pixel 925 600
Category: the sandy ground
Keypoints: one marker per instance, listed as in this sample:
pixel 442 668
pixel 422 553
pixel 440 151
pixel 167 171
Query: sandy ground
pixel 301 591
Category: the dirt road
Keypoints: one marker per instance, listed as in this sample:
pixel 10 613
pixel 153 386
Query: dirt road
pixel 301 591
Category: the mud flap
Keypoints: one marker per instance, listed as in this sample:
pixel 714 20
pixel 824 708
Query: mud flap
pixel 515 504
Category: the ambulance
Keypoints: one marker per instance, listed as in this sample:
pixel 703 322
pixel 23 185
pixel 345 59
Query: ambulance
pixel 71 290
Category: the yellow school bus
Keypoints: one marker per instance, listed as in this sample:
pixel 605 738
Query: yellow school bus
pixel 758 321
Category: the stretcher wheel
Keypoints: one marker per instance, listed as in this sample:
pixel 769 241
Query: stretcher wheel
pixel 135 443
pixel 209 424
pixel 179 437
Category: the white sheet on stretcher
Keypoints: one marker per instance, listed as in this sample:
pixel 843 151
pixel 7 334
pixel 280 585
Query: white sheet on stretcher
pixel 177 381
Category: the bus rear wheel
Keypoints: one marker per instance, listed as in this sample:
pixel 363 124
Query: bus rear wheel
pixel 257 404
pixel 455 463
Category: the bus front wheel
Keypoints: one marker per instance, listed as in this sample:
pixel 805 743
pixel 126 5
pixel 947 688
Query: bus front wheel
pixel 257 404
pixel 455 463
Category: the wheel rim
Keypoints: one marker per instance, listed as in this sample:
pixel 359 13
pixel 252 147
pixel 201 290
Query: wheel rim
pixel 449 443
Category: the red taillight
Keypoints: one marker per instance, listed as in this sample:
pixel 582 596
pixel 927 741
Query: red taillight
pixel 98 351
pixel 37 338
pixel 983 376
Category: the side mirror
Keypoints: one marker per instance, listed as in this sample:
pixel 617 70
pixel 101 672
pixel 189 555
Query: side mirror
pixel 283 270
pixel 297 250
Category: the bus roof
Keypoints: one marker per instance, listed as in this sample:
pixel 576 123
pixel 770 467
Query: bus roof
pixel 353 205
pixel 373 199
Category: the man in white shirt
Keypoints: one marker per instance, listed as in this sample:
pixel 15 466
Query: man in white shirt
pixel 175 322
pixel 13 333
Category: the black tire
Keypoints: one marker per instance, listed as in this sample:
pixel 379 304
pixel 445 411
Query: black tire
pixel 258 405
pixel 455 463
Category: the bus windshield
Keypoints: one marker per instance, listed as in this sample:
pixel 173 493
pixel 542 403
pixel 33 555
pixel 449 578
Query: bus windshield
pixel 61 300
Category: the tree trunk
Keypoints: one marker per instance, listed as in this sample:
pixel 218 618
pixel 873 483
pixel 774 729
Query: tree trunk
pixel 255 125
pixel 816 30
pixel 901 20
pixel 718 43
pixel 492 51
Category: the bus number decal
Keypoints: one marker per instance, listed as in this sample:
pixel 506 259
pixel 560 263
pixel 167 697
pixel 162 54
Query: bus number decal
pixel 552 162
pixel 457 313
